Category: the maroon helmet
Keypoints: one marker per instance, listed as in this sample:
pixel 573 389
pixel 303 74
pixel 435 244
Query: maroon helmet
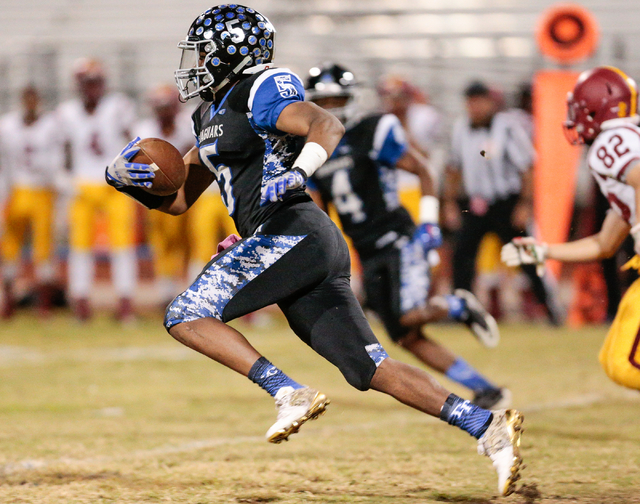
pixel 600 95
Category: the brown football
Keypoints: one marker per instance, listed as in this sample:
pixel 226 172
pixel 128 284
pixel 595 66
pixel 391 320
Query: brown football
pixel 170 173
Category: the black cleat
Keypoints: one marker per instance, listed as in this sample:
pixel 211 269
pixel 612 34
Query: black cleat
pixel 493 398
pixel 478 320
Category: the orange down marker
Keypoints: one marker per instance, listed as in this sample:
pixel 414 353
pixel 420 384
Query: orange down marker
pixel 566 33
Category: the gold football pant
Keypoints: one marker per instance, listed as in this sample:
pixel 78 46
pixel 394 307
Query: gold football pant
pixel 209 223
pixel 410 199
pixel 620 354
pixel 168 238
pixel 29 208
pixel 119 210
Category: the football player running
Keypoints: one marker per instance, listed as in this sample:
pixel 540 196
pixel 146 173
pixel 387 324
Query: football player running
pixel 259 139
pixel 361 180
pixel 602 114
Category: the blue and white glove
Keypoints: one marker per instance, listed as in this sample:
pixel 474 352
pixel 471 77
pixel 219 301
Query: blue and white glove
pixel 121 172
pixel 277 187
pixel 429 235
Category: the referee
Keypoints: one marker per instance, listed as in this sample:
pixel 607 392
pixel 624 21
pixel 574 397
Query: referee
pixel 493 189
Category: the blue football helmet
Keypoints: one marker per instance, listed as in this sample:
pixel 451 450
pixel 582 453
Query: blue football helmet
pixel 221 43
pixel 333 81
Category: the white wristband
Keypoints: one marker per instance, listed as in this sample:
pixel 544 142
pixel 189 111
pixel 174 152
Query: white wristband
pixel 429 210
pixel 311 157
pixel 635 232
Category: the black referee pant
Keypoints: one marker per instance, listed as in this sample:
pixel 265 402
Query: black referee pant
pixel 468 238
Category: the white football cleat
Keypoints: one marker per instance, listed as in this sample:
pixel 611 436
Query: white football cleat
pixel 295 407
pixel 479 320
pixel 501 443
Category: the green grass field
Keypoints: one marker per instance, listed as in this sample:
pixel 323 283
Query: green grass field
pixel 98 413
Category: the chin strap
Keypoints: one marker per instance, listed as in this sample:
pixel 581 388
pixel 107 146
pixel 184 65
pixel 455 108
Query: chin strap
pixel 230 76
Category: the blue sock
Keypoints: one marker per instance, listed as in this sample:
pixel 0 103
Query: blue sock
pixel 270 377
pixel 464 374
pixel 469 417
pixel 457 307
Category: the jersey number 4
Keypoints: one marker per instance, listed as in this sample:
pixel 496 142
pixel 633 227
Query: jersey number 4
pixel 346 201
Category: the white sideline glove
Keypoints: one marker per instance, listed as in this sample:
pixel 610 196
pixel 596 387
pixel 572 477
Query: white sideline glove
pixel 525 251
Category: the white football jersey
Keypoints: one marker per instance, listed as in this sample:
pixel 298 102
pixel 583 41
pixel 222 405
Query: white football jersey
pixel 182 138
pixel 30 155
pixel 613 152
pixel 96 138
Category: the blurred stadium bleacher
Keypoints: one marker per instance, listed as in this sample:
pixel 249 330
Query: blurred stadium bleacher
pixel 439 44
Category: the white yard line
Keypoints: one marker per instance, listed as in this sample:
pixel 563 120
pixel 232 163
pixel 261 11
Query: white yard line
pixel 14 356
pixel 29 464
pixel 577 401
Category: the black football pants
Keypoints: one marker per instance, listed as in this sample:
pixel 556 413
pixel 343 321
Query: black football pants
pixel 468 238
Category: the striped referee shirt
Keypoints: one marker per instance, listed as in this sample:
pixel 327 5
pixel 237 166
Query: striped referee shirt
pixel 509 153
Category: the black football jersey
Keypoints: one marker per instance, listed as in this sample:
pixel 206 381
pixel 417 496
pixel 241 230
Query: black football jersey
pixel 360 179
pixel 239 142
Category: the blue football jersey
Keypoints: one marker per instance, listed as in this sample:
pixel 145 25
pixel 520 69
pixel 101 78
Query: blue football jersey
pixel 239 142
pixel 360 179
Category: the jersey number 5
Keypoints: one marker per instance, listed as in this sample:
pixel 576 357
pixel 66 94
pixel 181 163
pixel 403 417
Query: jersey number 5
pixel 222 173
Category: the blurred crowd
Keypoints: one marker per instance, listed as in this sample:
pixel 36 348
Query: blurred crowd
pixel 59 218
pixel 59 215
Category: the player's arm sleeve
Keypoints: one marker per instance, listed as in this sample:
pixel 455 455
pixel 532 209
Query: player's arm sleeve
pixel 389 141
pixel 627 164
pixel 270 94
